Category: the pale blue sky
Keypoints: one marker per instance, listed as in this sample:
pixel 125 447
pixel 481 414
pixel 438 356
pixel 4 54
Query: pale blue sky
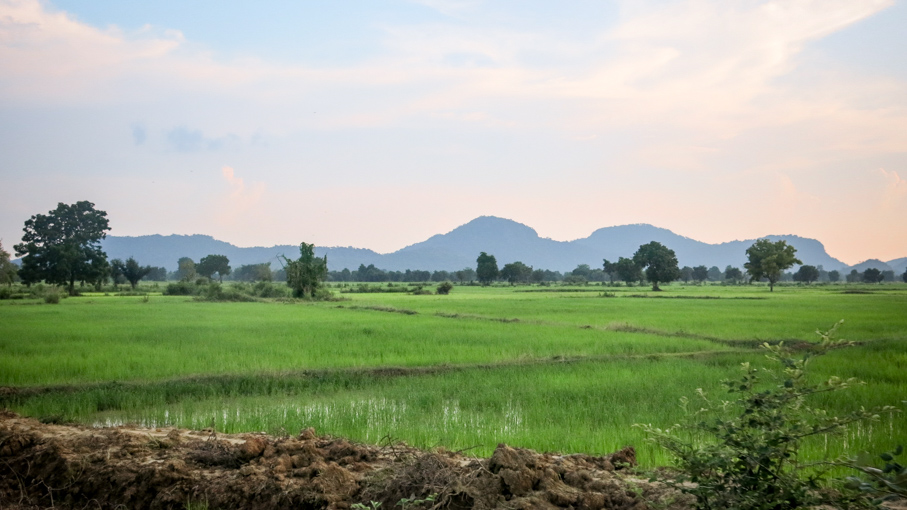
pixel 378 124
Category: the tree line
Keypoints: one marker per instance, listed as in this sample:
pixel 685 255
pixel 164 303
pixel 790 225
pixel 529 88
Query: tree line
pixel 63 248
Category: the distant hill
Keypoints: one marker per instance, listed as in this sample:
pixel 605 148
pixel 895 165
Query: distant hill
pixel 507 240
pixel 871 263
pixel 899 265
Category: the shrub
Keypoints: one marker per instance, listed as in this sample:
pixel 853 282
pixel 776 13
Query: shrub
pixel 444 288
pixel 419 291
pixel 268 290
pixel 52 296
pixel 214 291
pixel 6 293
pixel 888 483
pixel 750 459
pixel 180 288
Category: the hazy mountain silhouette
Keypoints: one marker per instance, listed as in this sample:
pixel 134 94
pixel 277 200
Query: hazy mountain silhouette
pixel 507 240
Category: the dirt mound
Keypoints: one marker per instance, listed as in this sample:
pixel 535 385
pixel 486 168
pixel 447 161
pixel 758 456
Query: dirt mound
pixel 62 466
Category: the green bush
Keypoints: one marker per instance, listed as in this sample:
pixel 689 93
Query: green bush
pixel 52 296
pixel 444 288
pixel 749 459
pixel 214 291
pixel 181 288
pixel 887 483
pixel 269 290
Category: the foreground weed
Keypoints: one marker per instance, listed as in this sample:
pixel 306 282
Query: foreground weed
pixel 888 483
pixel 414 502
pixel 749 460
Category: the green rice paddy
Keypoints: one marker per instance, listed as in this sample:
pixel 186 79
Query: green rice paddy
pixel 549 368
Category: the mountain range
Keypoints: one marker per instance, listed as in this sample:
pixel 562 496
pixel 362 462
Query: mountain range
pixel 507 240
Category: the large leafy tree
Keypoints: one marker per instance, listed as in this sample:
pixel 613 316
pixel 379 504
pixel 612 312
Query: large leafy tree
pixel 486 268
pixel 659 261
pixel 306 274
pixel 63 246
pixel 211 264
pixel 700 273
pixel 768 260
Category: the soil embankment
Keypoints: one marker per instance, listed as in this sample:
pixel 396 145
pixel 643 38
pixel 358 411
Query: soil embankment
pixel 71 466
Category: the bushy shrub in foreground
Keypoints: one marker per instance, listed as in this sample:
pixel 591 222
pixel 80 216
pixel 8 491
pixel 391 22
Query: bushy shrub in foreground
pixel 748 459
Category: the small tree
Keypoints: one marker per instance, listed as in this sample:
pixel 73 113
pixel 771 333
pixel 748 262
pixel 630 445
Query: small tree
pixel 700 273
pixel 659 261
pixel 486 268
pixel 8 270
pixel 714 274
pixel 610 269
pixel 133 272
pixel 306 274
pixel 768 260
pixel 628 270
pixel 211 264
pixel 258 272
pixel 686 273
pixel 904 276
pixel 733 274
pixel 872 275
pixel 806 274
pixel 516 272
pixel 117 267
pixel 834 275
pixel 186 269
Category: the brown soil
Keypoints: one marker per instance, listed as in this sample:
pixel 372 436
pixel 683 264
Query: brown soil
pixel 71 466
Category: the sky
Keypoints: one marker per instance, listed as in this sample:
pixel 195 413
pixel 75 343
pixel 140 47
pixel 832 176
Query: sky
pixel 377 124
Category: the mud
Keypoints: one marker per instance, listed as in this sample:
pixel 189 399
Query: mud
pixel 71 466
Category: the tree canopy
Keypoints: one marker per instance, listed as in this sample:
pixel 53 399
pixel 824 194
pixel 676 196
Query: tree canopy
pixel 211 264
pixel 628 270
pixel 8 270
pixel 806 274
pixel 254 272
pixel 186 269
pixel 768 260
pixel 659 261
pixel 486 268
pixel 133 272
pixel 700 273
pixel 306 274
pixel 516 272
pixel 63 246
pixel 873 275
pixel 733 274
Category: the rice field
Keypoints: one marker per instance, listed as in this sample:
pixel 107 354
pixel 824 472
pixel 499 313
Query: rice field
pixel 548 368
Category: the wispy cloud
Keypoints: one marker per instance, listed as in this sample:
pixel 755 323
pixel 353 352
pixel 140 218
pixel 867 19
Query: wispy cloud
pixel 712 99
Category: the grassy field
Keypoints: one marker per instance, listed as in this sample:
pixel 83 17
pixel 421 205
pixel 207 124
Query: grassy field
pixel 550 368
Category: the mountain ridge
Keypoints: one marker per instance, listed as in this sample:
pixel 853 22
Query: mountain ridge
pixel 508 240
